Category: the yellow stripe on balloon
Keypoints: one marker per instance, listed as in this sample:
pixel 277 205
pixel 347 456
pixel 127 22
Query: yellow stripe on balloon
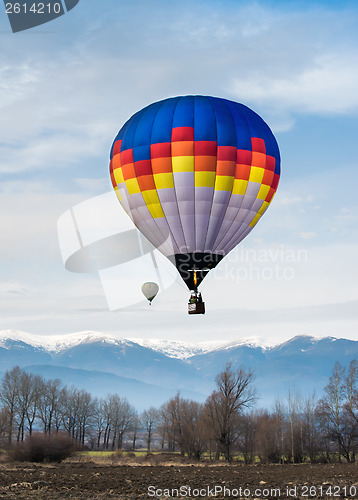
pixel 132 186
pixel 255 220
pixel 256 174
pixel 151 199
pixel 261 195
pixel 119 196
pixel 263 208
pixel 118 175
pixel 239 186
pixel 205 179
pixel 224 182
pixel 183 163
pixel 259 214
pixel 164 180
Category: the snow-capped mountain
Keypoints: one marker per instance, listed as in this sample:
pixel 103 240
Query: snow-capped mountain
pixel 147 372
pixel 185 350
pixel 177 349
pixel 57 343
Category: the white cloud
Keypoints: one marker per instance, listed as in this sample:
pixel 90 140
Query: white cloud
pixel 16 82
pixel 308 235
pixel 28 217
pixel 327 86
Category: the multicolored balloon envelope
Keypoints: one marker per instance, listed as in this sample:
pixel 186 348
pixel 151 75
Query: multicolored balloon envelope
pixel 195 174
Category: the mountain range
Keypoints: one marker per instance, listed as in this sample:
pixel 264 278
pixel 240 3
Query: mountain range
pixel 148 372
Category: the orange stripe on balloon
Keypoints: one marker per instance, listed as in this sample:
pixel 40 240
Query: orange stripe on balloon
pixel 258 159
pixel 162 165
pixel 242 172
pixel 205 163
pixel 268 178
pixel 184 148
pixel 128 171
pixel 226 168
pixel 146 182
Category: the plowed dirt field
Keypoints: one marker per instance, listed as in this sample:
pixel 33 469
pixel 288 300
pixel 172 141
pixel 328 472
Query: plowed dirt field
pixel 95 481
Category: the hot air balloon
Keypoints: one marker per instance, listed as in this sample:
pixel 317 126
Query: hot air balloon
pixel 150 291
pixel 195 174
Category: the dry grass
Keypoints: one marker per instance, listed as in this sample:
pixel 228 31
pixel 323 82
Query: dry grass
pixel 133 458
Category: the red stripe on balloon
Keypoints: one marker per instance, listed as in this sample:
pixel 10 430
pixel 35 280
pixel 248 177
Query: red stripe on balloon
pixel 276 179
pixel 126 157
pixel 270 163
pixel 205 148
pixel 258 145
pixel 243 157
pixel 227 153
pixel 182 134
pixel 117 147
pixel 143 167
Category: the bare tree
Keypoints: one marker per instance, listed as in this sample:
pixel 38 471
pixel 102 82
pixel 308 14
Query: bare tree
pixel 149 420
pixel 163 426
pixel 247 436
pixel 84 414
pixel 193 428
pixel 29 393
pixel 9 395
pixel 108 411
pixel 4 423
pixel 171 415
pixel 351 406
pixel 126 415
pixel 312 437
pixel 119 419
pixel 135 427
pixel 52 398
pixel 99 419
pixel 334 404
pixel 70 411
pixel 36 395
pixel 270 439
pixel 234 393
pixel 294 406
pixel 324 428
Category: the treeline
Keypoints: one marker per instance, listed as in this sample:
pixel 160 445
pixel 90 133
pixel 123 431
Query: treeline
pixel 296 430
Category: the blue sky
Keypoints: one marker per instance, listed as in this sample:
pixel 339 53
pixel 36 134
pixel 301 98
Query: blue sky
pixel 69 85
